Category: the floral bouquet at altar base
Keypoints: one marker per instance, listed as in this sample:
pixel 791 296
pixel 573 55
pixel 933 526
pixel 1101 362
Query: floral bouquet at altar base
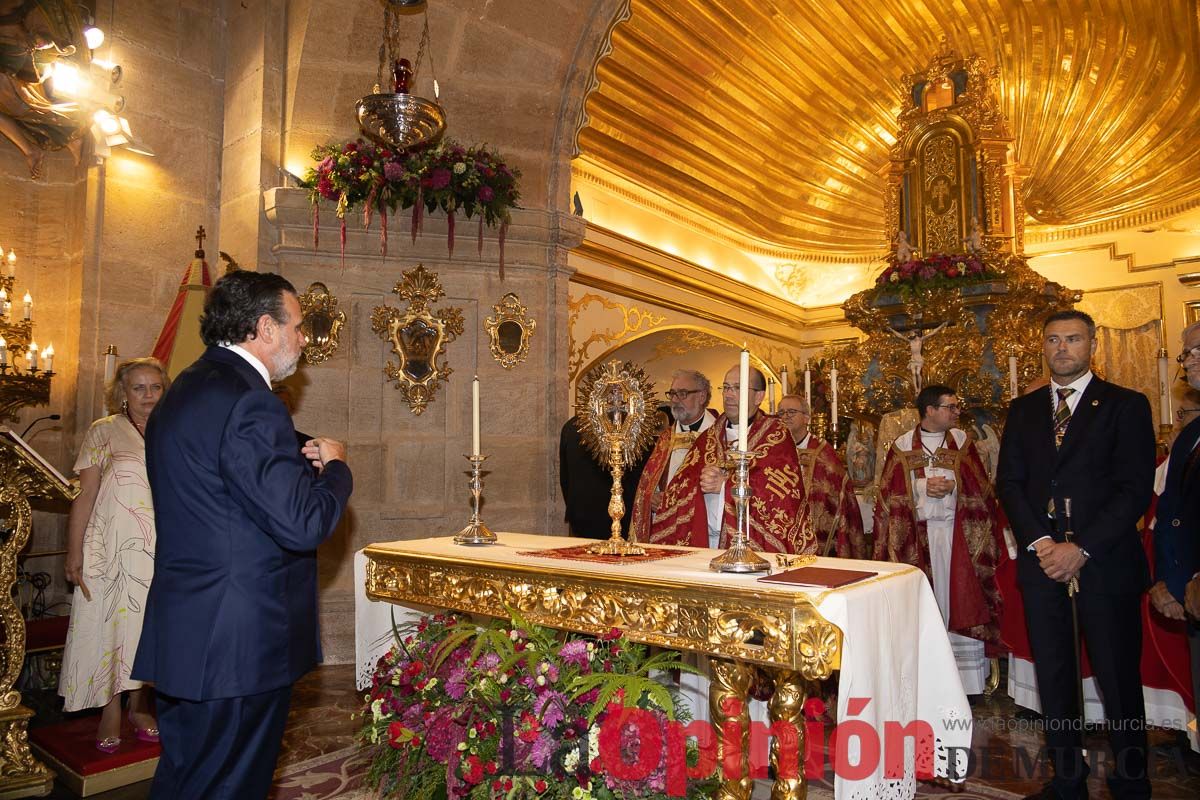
pixel 935 272
pixel 446 176
pixel 514 710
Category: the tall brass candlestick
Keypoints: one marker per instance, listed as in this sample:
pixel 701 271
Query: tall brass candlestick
pixel 740 557
pixel 475 532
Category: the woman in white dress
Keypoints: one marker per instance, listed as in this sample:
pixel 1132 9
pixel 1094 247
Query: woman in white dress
pixel 110 558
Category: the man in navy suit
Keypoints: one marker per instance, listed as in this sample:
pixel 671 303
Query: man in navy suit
pixel 1176 595
pixel 231 617
pixel 1092 442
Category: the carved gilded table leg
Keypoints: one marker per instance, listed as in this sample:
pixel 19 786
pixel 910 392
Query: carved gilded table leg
pixel 728 701
pixel 786 707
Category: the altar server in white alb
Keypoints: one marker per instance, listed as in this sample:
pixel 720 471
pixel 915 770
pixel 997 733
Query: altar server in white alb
pixel 936 510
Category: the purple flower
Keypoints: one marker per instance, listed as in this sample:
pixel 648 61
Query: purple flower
pixel 574 652
pixel 393 171
pixel 485 194
pixel 443 735
pixel 549 707
pixel 543 748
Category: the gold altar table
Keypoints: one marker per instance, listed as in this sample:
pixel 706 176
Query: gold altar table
pixel 674 602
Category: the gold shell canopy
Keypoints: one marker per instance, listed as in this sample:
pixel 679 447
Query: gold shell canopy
pixel 774 118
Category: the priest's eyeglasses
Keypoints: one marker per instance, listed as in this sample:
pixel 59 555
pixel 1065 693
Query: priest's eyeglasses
pixel 1186 354
pixel 1180 413
pixel 788 413
pixel 682 394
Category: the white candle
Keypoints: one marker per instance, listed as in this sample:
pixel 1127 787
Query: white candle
pixel 48 358
pixel 31 355
pixel 110 363
pixel 1164 390
pixel 807 384
pixel 833 398
pixel 1012 376
pixel 743 397
pixel 3 352
pixel 12 262
pixel 28 306
pixel 4 304
pixel 475 416
pixel 783 380
pixel 771 395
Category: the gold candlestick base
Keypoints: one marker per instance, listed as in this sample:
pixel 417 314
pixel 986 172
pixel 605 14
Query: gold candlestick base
pixel 740 557
pixel 475 533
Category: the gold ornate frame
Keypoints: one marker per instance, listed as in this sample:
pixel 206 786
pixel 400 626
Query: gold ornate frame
pixel 510 313
pixel 322 322
pixel 418 336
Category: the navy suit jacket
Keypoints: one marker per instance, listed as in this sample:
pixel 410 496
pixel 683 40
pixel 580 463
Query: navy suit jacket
pixel 239 513
pixel 1106 467
pixel 1177 529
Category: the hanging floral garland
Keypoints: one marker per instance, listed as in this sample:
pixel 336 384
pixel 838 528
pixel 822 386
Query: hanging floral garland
pixel 446 176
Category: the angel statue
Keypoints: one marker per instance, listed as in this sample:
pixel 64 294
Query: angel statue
pixel 975 237
pixel 916 360
pixel 904 251
pixel 33 35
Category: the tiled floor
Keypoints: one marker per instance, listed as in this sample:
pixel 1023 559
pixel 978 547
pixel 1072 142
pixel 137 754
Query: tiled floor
pixel 320 722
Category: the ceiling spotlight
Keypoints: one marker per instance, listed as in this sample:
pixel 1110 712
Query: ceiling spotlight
pixel 93 36
pixel 107 122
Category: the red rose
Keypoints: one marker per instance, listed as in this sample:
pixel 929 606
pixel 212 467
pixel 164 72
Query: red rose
pixel 539 785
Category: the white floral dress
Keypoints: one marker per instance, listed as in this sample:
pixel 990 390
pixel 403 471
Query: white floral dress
pixel 118 563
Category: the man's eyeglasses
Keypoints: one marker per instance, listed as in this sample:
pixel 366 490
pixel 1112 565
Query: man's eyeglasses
pixel 682 394
pixel 1186 354
pixel 788 413
pixel 737 387
pixel 952 406
pixel 1180 412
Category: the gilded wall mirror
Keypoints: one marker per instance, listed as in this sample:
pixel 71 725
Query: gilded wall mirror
pixel 418 337
pixel 510 329
pixel 321 323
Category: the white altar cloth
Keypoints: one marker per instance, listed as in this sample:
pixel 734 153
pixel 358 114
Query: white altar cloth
pixel 895 650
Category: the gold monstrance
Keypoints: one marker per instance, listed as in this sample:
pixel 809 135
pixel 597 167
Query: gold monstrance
pixel 616 413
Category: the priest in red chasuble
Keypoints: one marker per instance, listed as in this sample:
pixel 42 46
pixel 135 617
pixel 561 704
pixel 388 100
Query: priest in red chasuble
pixel 937 511
pixel 689 395
pixel 697 507
pixel 830 504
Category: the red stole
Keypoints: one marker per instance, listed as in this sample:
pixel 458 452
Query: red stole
pixel 977 540
pixel 831 504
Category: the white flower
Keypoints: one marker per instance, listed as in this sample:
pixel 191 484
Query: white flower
pixel 502 678
pixel 514 635
pixel 432 682
pixel 459 168
pixel 541 680
pixel 571 760
pixel 462 746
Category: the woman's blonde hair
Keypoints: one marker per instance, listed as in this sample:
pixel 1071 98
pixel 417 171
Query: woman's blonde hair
pixel 114 392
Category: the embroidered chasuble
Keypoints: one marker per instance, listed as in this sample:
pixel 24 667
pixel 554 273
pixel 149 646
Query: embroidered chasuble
pixel 904 515
pixel 831 505
pixel 662 467
pixel 777 493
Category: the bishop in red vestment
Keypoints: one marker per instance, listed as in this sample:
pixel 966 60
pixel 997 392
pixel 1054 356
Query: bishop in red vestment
pixel 831 505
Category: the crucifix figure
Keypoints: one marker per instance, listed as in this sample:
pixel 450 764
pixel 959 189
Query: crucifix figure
pixel 916 343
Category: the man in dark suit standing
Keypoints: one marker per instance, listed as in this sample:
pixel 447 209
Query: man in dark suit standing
pixel 1091 441
pixel 1176 595
pixel 231 614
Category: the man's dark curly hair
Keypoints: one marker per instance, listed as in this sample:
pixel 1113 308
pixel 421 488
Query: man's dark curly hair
pixel 236 302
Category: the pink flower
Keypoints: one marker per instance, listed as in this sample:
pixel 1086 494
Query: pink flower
pixel 393 171
pixel 485 194
pixel 439 178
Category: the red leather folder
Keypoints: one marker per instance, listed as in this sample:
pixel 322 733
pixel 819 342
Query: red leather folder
pixel 824 577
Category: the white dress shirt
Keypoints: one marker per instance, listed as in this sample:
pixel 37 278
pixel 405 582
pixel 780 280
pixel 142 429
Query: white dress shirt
pixel 252 360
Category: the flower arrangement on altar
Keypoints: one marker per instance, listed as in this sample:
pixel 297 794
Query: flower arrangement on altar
pixel 514 710
pixel 448 176
pixel 934 272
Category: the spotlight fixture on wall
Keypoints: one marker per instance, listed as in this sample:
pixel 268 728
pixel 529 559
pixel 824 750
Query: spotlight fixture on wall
pixel 400 119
